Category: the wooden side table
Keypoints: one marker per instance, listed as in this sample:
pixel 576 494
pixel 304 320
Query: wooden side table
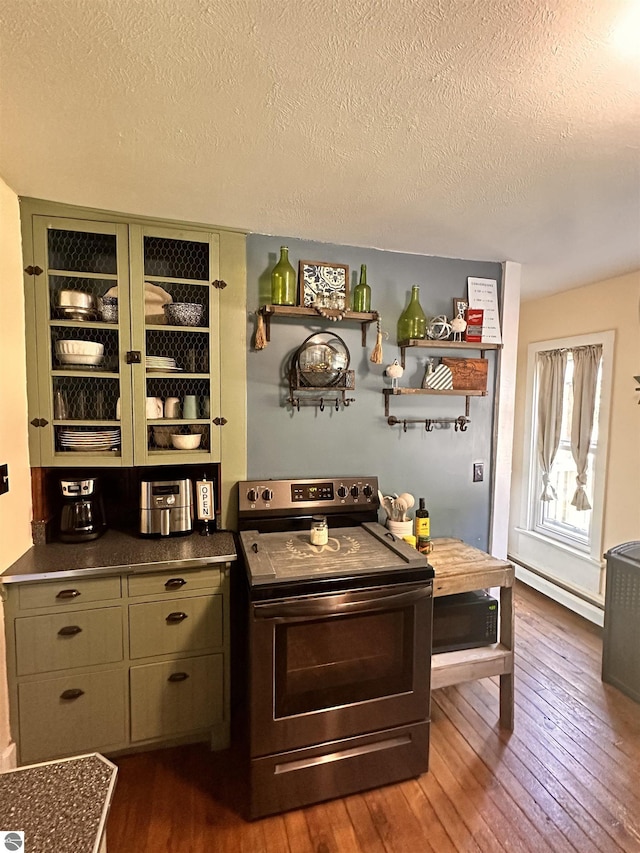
pixel 462 568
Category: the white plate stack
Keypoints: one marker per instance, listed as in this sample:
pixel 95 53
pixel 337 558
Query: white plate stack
pixel 90 440
pixel 160 363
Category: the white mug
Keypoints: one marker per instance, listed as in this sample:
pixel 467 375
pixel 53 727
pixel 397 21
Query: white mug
pixel 154 407
pixel 172 407
pixel 118 409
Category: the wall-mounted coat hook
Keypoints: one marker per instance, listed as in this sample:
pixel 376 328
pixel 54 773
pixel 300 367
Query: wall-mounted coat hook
pixel 428 425
pixel 322 404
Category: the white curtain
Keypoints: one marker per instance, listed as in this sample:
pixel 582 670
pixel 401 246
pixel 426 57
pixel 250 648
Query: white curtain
pixel 553 364
pixel 586 361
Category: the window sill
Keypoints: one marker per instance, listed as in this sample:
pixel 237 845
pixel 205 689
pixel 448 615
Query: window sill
pixel 568 566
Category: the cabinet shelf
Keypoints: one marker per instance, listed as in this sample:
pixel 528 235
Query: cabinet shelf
pixel 364 318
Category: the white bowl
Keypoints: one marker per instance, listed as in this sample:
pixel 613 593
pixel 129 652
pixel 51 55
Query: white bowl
pixel 74 358
pixel 79 348
pixel 186 442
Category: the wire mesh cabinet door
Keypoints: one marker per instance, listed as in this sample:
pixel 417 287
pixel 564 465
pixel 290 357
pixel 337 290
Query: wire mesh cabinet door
pixel 79 294
pixel 175 325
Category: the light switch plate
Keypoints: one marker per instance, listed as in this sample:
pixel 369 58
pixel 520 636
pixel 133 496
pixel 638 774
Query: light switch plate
pixel 478 472
pixel 4 479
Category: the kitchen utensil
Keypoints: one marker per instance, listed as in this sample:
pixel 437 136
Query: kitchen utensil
pixel 154 407
pixel 190 406
pixel 154 298
pixel 73 347
pixel 184 313
pixel 172 407
pixel 75 305
pixel 186 442
pixel 408 501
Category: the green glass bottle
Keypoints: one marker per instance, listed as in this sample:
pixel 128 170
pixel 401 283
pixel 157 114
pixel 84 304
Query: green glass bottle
pixel 413 320
pixel 362 292
pixel 283 280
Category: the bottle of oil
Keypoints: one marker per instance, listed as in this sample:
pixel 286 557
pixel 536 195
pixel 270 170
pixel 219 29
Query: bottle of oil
pixel 423 528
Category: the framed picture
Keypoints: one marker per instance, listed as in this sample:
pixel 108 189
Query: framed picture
pixel 323 284
pixel 459 307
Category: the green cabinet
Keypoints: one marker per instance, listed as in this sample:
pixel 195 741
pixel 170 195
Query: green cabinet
pixel 117 373
pixel 116 662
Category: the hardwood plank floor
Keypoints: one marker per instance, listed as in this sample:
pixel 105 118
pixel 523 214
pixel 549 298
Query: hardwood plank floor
pixel 567 779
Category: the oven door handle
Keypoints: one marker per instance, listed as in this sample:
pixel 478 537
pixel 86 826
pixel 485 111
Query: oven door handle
pixel 332 605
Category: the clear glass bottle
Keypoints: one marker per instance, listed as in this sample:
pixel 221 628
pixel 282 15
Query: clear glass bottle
pixel 283 280
pixel 319 534
pixel 362 292
pixel 413 320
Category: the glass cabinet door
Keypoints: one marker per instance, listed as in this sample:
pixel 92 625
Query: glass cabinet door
pixel 82 328
pixel 176 386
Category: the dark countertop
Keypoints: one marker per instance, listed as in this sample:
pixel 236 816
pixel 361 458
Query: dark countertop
pixel 59 805
pixel 119 551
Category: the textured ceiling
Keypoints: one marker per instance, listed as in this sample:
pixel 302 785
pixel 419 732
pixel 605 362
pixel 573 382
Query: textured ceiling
pixel 485 129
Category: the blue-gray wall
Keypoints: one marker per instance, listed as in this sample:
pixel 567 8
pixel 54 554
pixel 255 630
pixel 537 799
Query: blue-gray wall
pixel 357 440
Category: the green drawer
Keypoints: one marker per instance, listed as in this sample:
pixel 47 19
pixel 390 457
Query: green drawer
pixel 175 625
pixel 52 726
pixel 66 640
pixel 174 582
pixel 61 593
pixel 169 699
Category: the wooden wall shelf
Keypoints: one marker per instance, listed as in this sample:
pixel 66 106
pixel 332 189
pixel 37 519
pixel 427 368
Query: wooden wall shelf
pixel 425 343
pixel 330 315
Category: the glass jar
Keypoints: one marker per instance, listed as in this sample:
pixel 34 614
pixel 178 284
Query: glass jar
pixel 283 280
pixel 413 320
pixel 319 534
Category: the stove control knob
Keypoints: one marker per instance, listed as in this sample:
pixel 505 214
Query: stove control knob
pixel 355 491
pixel 342 491
pixel 367 491
pixel 252 496
pixel 267 495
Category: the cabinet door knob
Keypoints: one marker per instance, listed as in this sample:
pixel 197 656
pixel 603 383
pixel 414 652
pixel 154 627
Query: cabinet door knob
pixel 175 583
pixel 68 593
pixel 69 631
pixel 73 693
pixel 177 616
pixel 178 676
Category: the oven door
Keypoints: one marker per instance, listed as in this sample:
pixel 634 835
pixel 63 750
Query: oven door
pixel 332 666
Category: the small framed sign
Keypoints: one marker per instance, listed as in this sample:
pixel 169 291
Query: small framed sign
pixel 205 504
pixel 323 284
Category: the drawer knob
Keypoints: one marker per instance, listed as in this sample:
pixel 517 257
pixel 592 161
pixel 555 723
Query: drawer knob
pixel 68 593
pixel 72 693
pixel 69 631
pixel 175 583
pixel 177 616
pixel 178 676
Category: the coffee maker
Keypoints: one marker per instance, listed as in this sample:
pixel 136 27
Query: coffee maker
pixel 82 512
pixel 166 507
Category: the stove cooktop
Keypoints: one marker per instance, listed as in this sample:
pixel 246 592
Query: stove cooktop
pixel 367 555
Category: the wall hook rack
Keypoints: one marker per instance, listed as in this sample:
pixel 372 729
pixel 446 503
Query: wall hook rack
pixel 460 423
pixel 321 402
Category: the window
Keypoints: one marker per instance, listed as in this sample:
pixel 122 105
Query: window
pixel 557 519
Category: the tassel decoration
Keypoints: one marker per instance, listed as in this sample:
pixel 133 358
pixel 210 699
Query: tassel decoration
pixel 376 352
pixel 260 340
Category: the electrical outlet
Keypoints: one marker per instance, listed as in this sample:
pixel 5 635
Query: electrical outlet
pixel 478 472
pixel 4 479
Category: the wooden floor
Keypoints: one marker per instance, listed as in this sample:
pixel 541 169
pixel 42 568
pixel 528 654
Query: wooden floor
pixel 566 779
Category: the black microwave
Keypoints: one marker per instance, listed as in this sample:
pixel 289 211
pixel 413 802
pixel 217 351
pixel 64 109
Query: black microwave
pixel 464 621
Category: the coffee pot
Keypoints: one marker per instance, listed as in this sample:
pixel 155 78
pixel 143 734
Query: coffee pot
pixel 82 512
